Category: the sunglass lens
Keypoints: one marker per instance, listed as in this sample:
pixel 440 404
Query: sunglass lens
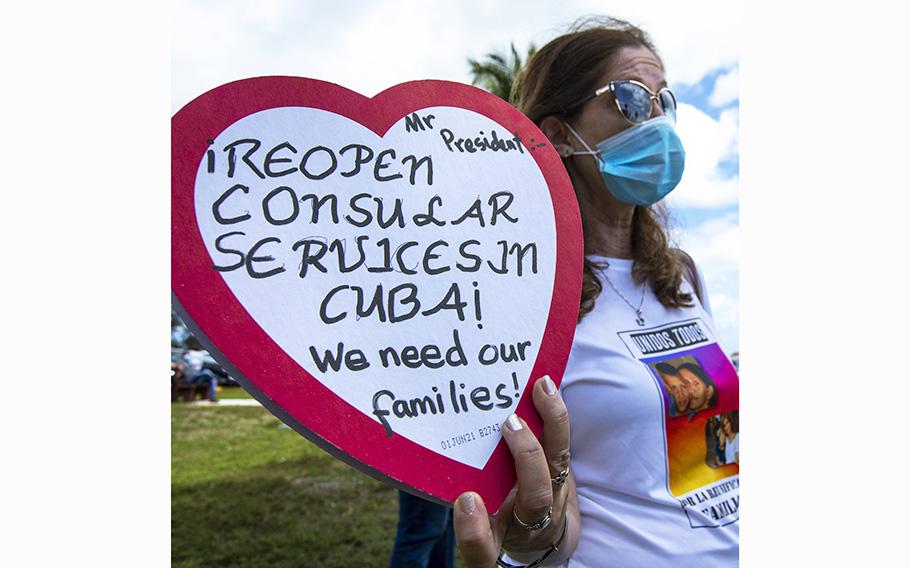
pixel 668 104
pixel 633 101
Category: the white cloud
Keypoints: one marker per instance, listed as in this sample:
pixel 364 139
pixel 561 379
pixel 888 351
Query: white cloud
pixel 370 46
pixel 715 246
pixel 726 88
pixel 708 142
pixel 692 37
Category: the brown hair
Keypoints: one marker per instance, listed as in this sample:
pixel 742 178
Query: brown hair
pixel 564 71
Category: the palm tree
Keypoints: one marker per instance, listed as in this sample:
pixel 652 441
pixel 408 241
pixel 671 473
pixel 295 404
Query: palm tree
pixel 500 74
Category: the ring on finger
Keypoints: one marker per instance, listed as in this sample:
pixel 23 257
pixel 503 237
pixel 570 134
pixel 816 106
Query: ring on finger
pixel 560 478
pixel 541 524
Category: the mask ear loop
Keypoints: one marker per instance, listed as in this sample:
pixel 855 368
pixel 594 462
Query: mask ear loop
pixel 589 151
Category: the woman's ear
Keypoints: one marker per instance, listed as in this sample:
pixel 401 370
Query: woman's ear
pixel 558 135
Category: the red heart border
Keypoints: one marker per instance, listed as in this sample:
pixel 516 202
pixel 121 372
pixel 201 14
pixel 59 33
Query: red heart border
pixel 220 322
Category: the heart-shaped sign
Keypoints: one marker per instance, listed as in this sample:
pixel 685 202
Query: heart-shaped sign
pixel 386 275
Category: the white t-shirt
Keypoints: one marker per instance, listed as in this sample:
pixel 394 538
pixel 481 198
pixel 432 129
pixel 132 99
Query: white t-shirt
pixel 194 361
pixel 646 493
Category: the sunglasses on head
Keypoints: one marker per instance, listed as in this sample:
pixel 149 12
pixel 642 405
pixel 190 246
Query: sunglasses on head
pixel 633 99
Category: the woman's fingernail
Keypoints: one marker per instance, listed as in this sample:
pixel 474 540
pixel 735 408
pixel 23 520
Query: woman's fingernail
pixel 467 503
pixel 548 385
pixel 514 423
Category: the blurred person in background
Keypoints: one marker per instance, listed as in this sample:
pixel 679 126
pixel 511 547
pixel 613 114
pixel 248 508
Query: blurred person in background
pixel 196 373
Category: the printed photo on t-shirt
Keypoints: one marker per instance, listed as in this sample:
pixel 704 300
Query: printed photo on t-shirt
pixel 722 439
pixel 689 388
pixel 697 384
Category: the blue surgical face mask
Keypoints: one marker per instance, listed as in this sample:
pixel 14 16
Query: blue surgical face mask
pixel 641 164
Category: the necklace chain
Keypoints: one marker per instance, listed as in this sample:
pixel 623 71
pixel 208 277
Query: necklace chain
pixel 640 320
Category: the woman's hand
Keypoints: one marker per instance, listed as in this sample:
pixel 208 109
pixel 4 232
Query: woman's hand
pixel 536 464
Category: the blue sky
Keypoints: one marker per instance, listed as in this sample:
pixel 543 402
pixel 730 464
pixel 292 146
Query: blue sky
pixel 370 46
pixel 707 220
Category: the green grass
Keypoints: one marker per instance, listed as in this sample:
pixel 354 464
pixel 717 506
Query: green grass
pixel 232 392
pixel 248 492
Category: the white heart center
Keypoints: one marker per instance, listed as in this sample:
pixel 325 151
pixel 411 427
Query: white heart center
pixel 284 193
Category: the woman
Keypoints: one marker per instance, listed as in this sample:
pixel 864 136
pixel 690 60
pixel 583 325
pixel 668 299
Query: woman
pixel 729 437
pixel 599 95
pixel 702 392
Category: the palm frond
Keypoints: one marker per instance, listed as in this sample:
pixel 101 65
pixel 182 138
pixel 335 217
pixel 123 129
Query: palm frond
pixel 498 73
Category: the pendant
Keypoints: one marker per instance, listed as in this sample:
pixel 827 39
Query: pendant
pixel 640 320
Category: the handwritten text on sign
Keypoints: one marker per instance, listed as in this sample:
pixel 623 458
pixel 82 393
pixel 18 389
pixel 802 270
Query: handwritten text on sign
pixel 397 270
